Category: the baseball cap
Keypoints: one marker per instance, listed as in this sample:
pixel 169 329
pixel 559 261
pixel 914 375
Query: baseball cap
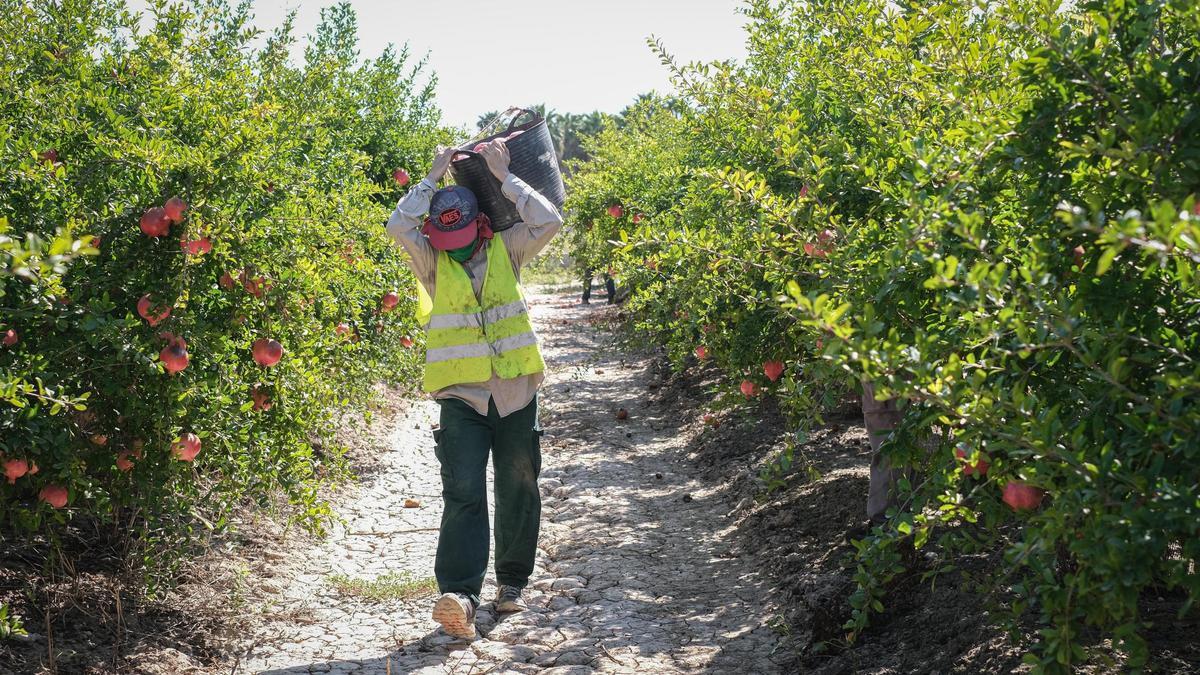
pixel 451 223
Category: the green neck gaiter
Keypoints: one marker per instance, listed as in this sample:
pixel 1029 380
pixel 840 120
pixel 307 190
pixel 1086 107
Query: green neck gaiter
pixel 463 254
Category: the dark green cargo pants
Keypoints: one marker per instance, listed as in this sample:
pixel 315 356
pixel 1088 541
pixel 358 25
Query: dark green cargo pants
pixel 463 442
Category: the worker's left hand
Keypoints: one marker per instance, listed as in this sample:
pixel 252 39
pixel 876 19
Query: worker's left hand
pixel 497 158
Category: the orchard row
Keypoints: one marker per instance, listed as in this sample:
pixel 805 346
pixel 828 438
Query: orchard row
pixel 205 293
pixel 985 213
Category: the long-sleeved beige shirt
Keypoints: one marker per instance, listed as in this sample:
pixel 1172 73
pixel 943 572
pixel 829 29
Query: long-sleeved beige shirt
pixel 540 221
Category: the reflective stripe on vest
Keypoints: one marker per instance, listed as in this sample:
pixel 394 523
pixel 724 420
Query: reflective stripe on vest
pixel 472 350
pixel 477 320
pixel 468 340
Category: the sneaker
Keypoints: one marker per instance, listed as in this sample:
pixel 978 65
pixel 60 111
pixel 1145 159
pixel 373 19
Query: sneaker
pixel 456 613
pixel 509 600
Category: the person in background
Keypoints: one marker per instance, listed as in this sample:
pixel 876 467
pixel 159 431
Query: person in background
pixel 609 285
pixel 484 368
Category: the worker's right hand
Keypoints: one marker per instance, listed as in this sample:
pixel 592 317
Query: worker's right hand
pixel 441 163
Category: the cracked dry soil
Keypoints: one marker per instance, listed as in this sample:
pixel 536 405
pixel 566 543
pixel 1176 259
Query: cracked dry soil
pixel 634 574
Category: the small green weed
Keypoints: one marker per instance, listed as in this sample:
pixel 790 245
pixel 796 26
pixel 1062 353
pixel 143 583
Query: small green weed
pixel 390 586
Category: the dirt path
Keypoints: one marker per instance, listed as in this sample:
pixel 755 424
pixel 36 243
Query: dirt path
pixel 634 572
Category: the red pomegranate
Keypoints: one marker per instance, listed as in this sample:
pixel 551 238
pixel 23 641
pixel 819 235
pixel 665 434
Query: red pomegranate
pixel 154 313
pixel 814 250
pixel 174 356
pixel 342 328
pixel 406 342
pixel 155 222
pixel 773 369
pixel 977 468
pixel 749 389
pixel 14 469
pixel 50 156
pixel 226 281
pixel 174 208
pixel 255 286
pixel 702 352
pixel 123 462
pixel 826 236
pixel 261 398
pixel 616 211
pixel 390 300
pixel 186 448
pixel 266 352
pixel 637 218
pixel 10 338
pixel 54 495
pixel 196 246
pixel 1021 496
pixel 401 177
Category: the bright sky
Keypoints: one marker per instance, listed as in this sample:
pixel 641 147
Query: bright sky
pixel 574 55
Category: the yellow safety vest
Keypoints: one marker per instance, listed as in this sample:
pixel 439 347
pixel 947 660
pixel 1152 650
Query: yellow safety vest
pixel 467 339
